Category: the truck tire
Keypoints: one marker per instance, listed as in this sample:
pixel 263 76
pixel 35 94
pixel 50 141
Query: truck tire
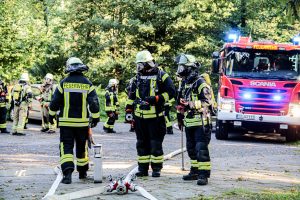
pixel 292 134
pixel 221 130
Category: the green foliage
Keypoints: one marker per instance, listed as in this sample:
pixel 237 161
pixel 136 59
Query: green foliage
pixel 39 36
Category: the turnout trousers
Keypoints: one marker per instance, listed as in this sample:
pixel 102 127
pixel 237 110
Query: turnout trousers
pixel 150 134
pixel 19 118
pixel 45 121
pixel 197 142
pixel 69 135
pixel 110 122
pixel 3 112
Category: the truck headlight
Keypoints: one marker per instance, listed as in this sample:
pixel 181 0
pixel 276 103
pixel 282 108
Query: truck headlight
pixel 227 105
pixel 294 110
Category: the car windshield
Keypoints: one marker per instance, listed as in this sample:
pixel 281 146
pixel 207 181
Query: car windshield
pixel 254 64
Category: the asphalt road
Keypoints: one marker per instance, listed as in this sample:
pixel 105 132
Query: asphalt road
pixel 260 162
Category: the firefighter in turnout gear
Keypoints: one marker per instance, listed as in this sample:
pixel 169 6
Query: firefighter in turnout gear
pixel 4 99
pixel 21 99
pixel 152 89
pixel 47 90
pixel 111 105
pixel 194 101
pixel 76 99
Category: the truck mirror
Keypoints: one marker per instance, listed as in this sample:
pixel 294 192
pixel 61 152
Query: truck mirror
pixel 215 62
pixel 215 66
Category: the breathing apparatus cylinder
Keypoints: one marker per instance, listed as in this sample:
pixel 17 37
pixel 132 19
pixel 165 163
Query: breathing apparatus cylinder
pixel 98 168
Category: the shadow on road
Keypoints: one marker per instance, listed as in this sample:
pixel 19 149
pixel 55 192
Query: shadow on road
pixel 270 138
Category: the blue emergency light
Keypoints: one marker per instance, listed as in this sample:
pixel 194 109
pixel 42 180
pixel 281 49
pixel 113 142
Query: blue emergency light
pixel 296 40
pixel 232 36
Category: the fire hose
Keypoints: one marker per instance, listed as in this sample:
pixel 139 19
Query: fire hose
pixel 124 184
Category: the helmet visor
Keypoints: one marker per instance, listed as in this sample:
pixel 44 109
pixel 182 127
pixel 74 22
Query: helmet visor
pixel 181 70
pixel 140 66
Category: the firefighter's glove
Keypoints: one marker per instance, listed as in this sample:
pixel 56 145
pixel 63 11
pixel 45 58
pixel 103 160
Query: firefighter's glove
pixel 180 109
pixel 94 122
pixel 152 100
pixel 51 119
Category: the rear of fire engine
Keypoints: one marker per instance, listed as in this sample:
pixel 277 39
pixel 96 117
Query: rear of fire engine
pixel 259 87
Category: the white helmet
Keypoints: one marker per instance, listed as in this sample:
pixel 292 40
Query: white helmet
pixel 143 56
pixel 24 77
pixel 49 76
pixel 113 82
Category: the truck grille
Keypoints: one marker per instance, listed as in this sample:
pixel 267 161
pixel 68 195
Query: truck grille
pixel 262 100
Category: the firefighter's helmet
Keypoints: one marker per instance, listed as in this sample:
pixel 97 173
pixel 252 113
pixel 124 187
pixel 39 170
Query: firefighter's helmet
pixel 143 56
pixel 24 77
pixel 187 65
pixel 75 65
pixel 113 83
pixel 187 60
pixel 49 78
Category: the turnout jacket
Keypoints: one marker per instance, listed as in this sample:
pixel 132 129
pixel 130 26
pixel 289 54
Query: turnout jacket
pixel 47 93
pixel 76 99
pixel 21 94
pixel 156 83
pixel 198 95
pixel 111 100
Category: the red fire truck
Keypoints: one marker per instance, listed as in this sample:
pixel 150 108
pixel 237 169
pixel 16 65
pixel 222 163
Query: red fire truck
pixel 259 87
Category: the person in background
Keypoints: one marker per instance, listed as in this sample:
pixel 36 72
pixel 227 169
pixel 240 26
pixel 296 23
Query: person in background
pixel 111 105
pixel 21 96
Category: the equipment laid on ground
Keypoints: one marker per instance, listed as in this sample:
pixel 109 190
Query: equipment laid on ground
pixel 98 167
pixel 258 88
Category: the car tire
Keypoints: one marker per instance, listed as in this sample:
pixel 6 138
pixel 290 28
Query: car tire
pixel 221 130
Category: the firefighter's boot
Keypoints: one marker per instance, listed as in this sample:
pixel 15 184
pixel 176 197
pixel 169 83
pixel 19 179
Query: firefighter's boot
pixel 4 130
pixel 202 180
pixel 156 173
pixel 44 129
pixel 82 174
pixel 51 131
pixel 110 130
pixel 170 130
pixel 193 175
pixel 141 173
pixel 67 177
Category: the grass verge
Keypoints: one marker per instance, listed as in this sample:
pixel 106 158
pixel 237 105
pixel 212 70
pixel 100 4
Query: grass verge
pixel 243 194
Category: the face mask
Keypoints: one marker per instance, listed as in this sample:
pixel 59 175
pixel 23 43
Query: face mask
pixel 48 81
pixel 181 70
pixel 140 67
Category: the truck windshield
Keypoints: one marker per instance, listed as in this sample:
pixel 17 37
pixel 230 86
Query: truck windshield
pixel 275 65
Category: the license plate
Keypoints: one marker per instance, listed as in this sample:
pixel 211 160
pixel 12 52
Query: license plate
pixel 237 123
pixel 283 126
pixel 245 117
